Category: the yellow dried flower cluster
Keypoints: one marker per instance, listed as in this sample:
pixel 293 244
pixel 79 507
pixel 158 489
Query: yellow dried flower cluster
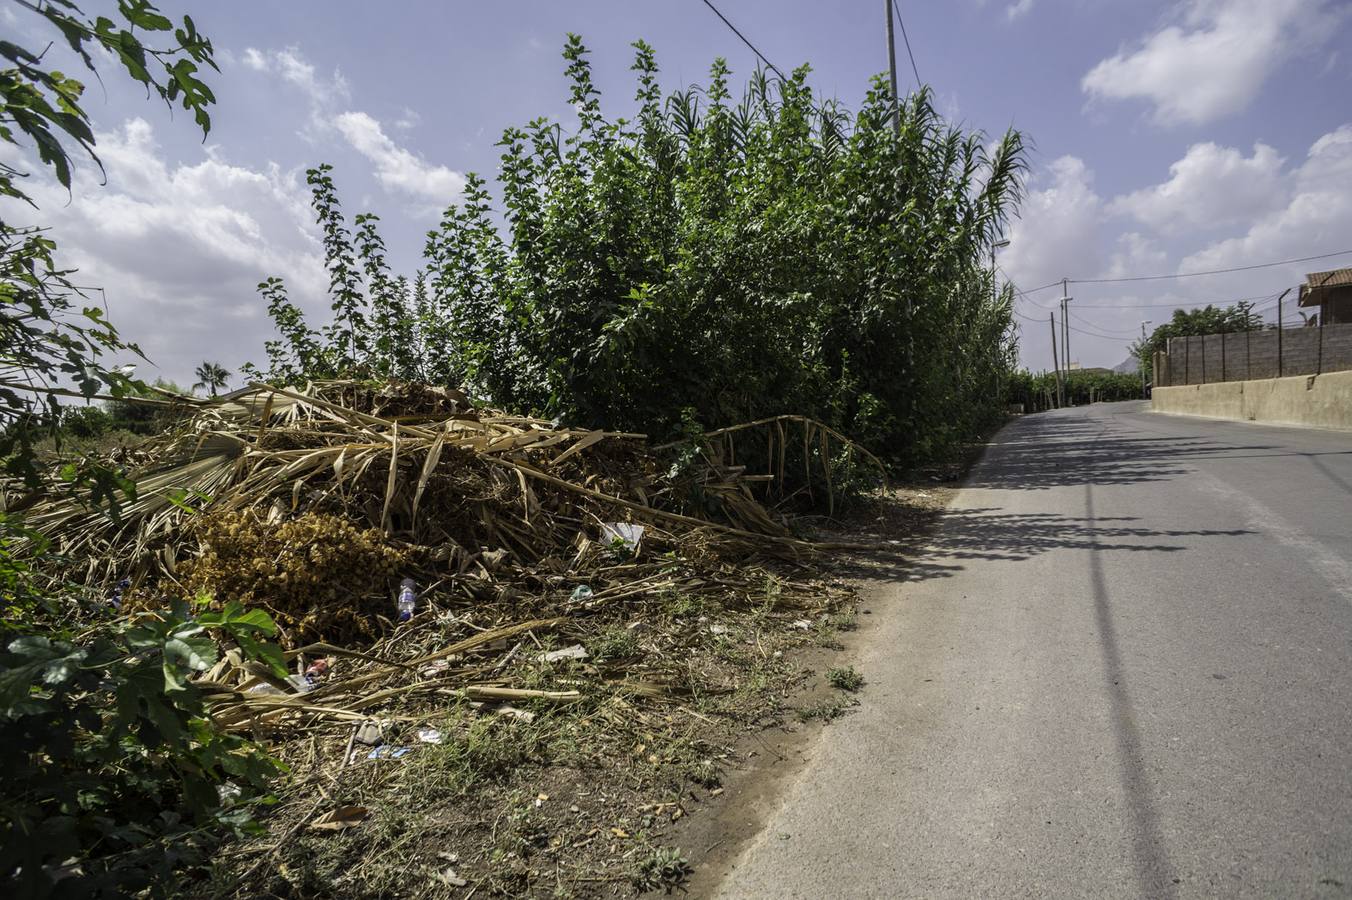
pixel 320 576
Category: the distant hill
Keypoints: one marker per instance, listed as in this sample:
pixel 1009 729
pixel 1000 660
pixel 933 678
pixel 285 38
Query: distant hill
pixel 1127 366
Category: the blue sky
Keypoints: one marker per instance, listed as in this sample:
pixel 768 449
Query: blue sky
pixel 1169 136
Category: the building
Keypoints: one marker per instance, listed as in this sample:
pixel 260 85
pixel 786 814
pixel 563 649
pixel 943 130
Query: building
pixel 1331 293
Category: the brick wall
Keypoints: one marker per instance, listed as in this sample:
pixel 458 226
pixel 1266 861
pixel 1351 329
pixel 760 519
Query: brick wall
pixel 1244 356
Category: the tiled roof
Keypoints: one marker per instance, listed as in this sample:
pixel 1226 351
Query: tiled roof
pixel 1331 278
pixel 1315 281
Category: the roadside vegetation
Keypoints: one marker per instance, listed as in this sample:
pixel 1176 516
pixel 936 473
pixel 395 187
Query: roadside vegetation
pixel 582 433
pixel 1039 391
pixel 719 257
pixel 114 769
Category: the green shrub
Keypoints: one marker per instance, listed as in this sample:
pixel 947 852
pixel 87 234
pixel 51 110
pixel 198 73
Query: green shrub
pixel 738 258
pixel 114 776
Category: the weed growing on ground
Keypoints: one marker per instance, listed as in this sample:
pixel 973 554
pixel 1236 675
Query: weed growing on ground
pixel 774 589
pixel 845 678
pixel 663 867
pixel 827 710
pixel 614 643
pixel 845 620
pixel 680 605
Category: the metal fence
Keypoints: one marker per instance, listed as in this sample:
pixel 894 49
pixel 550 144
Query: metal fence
pixel 1246 355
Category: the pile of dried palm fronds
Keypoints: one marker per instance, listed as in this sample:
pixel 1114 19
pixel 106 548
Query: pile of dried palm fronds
pixel 458 495
pixel 313 504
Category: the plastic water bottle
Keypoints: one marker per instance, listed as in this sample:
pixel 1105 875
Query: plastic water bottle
pixel 407 595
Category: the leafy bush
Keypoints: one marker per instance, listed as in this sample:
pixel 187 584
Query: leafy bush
pixel 85 422
pixel 129 414
pixel 1038 392
pixel 737 258
pixel 114 775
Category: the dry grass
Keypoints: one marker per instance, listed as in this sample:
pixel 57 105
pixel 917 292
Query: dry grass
pixel 555 775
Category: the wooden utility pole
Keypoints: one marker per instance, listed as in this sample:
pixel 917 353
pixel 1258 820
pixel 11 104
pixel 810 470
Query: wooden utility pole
pixel 1056 365
pixel 892 68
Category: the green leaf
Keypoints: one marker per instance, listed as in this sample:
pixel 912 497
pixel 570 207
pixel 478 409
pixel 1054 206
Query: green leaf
pixel 165 719
pixel 257 620
pixel 34 646
pixel 16 685
pixel 269 654
pixel 197 652
pixel 62 670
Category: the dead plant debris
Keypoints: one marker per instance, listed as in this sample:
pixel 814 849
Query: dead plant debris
pixel 591 626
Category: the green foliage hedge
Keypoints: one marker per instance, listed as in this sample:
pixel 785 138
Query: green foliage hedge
pixel 1038 392
pixel 737 258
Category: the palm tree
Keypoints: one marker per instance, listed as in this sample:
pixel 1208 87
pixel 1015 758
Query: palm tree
pixel 211 376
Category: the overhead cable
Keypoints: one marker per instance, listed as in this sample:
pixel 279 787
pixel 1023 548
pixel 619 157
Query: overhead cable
pixel 1176 304
pixel 1267 265
pixel 907 41
pixel 759 55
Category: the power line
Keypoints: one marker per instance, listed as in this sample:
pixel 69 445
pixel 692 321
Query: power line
pixel 1178 304
pixel 1050 284
pixel 1080 318
pixel 907 41
pixel 1269 302
pixel 1096 334
pixel 1024 294
pixel 759 55
pixel 1254 307
pixel 1268 265
pixel 1106 337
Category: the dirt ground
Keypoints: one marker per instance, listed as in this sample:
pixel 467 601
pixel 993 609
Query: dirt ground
pixel 616 796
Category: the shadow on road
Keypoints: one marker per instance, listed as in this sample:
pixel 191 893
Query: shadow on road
pixel 993 534
pixel 1043 452
pixel 1086 454
pixel 1154 872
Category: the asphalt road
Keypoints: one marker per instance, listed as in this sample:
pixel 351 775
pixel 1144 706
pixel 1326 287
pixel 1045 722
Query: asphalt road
pixel 1123 669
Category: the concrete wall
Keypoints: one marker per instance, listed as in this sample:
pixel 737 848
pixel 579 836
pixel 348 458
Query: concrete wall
pixel 1244 356
pixel 1322 401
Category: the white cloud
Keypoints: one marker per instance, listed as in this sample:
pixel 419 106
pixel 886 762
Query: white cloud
pixel 1317 218
pixel 1136 253
pixel 1212 62
pixel 1065 232
pixel 1018 10
pixel 180 249
pixel 396 167
pixel 1058 230
pixel 292 67
pixel 1210 187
